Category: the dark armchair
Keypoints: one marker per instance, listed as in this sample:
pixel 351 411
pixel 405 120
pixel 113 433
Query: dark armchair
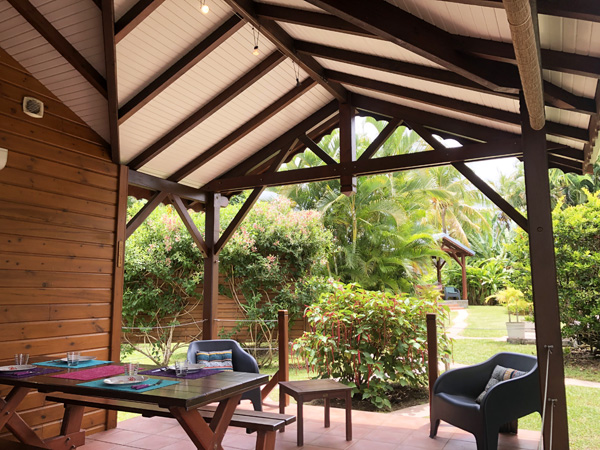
pixel 242 362
pixel 454 395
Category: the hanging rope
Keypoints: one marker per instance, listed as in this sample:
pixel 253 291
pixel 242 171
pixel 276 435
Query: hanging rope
pixel 545 401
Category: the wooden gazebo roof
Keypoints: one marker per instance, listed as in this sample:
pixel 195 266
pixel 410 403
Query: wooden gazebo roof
pixel 179 96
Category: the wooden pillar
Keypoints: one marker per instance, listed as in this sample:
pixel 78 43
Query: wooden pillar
pixel 463 265
pixel 432 353
pixel 347 146
pixel 211 265
pixel 118 278
pixel 544 284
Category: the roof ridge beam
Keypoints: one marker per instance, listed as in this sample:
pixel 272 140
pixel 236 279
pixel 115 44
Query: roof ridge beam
pixel 285 44
pixel 179 68
pixel 573 9
pixel 451 104
pixel 60 44
pixel 134 16
pixel 242 131
pixel 208 109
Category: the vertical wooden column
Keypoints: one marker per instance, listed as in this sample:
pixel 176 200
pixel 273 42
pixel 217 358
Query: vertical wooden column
pixel 347 146
pixel 211 265
pixel 463 265
pixel 432 353
pixel 284 357
pixel 118 277
pixel 544 284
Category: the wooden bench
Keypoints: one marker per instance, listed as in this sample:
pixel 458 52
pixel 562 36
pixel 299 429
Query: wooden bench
pixel 264 423
pixel 5 444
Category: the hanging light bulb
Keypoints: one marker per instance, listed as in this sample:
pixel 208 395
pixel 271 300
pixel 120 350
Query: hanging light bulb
pixel 204 9
pixel 255 35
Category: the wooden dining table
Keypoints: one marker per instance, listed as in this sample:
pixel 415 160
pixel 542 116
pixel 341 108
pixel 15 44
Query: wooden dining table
pixel 181 399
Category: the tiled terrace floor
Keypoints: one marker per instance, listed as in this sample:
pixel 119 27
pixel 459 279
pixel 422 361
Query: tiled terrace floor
pixel 406 430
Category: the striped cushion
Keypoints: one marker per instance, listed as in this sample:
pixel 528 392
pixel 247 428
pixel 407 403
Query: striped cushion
pixel 215 360
pixel 499 374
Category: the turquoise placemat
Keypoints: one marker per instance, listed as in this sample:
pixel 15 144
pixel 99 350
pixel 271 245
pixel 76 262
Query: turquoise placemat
pixel 63 364
pixel 152 382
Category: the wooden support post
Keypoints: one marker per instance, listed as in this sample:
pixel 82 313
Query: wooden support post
pixel 118 277
pixel 283 337
pixel 347 147
pixel 432 352
pixel 463 265
pixel 211 265
pixel 543 279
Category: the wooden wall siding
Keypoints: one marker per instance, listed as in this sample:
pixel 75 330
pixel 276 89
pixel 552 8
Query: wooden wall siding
pixel 58 200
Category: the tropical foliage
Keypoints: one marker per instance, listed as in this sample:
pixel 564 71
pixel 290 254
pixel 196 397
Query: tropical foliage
pixel 369 340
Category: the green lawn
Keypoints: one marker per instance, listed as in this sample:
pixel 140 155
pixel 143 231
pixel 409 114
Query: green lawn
pixel 486 321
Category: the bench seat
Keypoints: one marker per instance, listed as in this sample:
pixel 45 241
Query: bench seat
pixel 264 423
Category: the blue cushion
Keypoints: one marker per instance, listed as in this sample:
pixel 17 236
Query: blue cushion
pixel 220 360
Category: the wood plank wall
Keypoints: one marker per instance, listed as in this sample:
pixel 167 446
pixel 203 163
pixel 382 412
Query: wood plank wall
pixel 58 196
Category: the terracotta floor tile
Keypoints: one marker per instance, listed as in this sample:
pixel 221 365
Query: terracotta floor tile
pixel 118 436
pixel 154 442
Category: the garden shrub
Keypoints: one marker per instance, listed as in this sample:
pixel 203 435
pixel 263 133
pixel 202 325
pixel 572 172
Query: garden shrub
pixel 577 247
pixel 369 340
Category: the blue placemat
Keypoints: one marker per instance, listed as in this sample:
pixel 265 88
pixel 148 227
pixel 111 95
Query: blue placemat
pixel 129 387
pixel 63 364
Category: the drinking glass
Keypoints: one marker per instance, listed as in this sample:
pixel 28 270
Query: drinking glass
pixel 181 368
pixel 21 359
pixel 132 368
pixel 73 358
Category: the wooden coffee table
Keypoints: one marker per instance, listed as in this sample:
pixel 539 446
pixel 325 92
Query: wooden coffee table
pixel 307 390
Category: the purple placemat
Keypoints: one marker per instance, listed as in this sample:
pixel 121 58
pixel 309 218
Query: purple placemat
pixel 92 374
pixel 171 373
pixel 30 373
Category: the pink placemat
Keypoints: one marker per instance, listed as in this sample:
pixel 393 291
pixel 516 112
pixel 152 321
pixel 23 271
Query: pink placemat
pixel 92 374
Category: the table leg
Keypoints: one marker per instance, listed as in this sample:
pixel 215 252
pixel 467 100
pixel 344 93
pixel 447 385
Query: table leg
pixel 13 422
pixel 207 437
pixel 327 411
pixel 349 415
pixel 300 422
pixel 281 405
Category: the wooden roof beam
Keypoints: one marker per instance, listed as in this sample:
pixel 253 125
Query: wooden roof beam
pixel 451 104
pixel 143 213
pixel 573 9
pixel 173 73
pixel 60 44
pixel 208 109
pixel 153 183
pixel 134 16
pixel 318 151
pixel 554 95
pixel 246 128
pixel 110 62
pixel 472 152
pixel 381 138
pixel 284 42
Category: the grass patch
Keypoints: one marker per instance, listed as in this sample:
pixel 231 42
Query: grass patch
pixel 486 321
pixel 473 351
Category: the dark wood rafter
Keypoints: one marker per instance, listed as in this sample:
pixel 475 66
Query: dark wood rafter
pixel 470 175
pixel 110 62
pixel 143 213
pixel 473 152
pixel 313 147
pixel 558 130
pixel 284 42
pixel 450 125
pixel 153 183
pixel 208 109
pixel 98 3
pixel 554 96
pixel 381 138
pixel 269 151
pixel 566 165
pixel 189 223
pixel 186 62
pixel 573 9
pixel 415 34
pixel 242 131
pixel 544 282
pixel 567 153
pixel 62 45
pixel 134 16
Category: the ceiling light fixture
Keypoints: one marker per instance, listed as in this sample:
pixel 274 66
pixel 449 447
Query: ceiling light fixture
pixel 255 35
pixel 204 9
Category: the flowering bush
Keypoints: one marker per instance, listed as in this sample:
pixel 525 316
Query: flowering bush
pixel 369 340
